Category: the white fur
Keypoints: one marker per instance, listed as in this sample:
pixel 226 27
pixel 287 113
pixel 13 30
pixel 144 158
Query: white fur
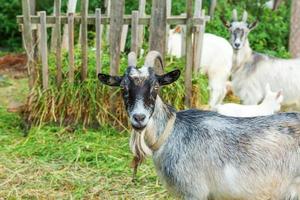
pixel 279 73
pixel 216 61
pixel 270 105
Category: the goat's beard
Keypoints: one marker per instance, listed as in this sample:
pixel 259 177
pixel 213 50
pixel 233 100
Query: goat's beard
pixel 138 145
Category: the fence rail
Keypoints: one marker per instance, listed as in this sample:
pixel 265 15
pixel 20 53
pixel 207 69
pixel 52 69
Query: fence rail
pixel 117 25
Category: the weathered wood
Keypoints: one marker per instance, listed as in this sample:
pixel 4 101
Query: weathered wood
pixel 58 42
pixel 71 46
pixel 64 20
pixel 213 4
pixel 197 37
pixel 35 40
pixel 294 40
pixel 158 25
pixel 173 20
pixel 124 37
pixel 44 50
pixel 142 6
pixel 169 11
pixel 98 41
pixel 107 13
pixel 116 23
pixel 189 54
pixel 134 32
pixel 183 37
pixel 28 42
pixel 53 31
pixel 84 42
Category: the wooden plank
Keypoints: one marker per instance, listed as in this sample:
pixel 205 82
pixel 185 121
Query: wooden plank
pixel 35 40
pixel 213 4
pixel 197 37
pixel 64 20
pixel 142 6
pixel 134 32
pixel 58 42
pixel 158 25
pixel 189 54
pixel 124 37
pixel 98 41
pixel 53 31
pixel 71 46
pixel 28 42
pixel 169 11
pixel 107 13
pixel 116 23
pixel 173 20
pixel 183 37
pixel 44 50
pixel 84 41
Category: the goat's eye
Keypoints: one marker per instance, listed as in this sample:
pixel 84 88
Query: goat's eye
pixel 156 87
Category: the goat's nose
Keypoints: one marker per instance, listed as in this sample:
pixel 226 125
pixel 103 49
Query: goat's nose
pixel 139 117
pixel 237 45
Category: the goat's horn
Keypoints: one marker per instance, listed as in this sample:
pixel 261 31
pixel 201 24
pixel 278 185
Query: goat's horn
pixel 234 15
pixel 245 16
pixel 132 60
pixel 151 57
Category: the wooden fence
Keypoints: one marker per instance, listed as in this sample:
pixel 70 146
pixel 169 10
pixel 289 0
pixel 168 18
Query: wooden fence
pixel 159 23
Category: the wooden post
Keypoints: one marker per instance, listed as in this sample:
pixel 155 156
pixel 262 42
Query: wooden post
pixel 71 9
pixel 183 38
pixel 98 41
pixel 84 42
pixel 158 24
pixel 124 37
pixel 44 50
pixel 58 42
pixel 35 40
pixel 71 46
pixel 53 31
pixel 169 11
pixel 116 23
pixel 134 32
pixel 189 54
pixel 28 42
pixel 107 13
pixel 198 36
pixel 142 5
pixel 213 4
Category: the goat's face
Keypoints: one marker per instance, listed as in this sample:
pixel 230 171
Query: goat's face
pixel 140 89
pixel 239 30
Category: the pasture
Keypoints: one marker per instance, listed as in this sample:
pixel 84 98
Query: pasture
pixel 70 137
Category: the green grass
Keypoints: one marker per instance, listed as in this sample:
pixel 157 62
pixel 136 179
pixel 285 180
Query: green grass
pixel 70 163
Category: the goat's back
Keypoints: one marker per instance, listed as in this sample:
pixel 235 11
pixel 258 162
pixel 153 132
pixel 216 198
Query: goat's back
pixel 234 158
pixel 216 53
pixel 282 74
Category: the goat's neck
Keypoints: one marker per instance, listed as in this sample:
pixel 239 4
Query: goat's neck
pixel 160 117
pixel 241 56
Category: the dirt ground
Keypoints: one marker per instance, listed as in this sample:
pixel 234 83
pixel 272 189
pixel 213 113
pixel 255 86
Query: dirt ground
pixel 13 79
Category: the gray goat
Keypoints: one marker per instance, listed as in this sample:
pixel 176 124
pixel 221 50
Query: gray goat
pixel 252 71
pixel 204 155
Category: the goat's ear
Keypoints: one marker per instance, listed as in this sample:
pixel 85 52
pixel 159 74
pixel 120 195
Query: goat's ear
pixel 168 78
pixel 253 25
pixel 110 80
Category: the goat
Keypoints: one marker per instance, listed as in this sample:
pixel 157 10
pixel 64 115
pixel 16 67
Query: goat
pixel 251 71
pixel 201 154
pixel 269 105
pixel 216 61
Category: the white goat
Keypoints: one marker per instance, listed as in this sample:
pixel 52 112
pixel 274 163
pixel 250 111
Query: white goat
pixel 269 106
pixel 216 61
pixel 251 71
